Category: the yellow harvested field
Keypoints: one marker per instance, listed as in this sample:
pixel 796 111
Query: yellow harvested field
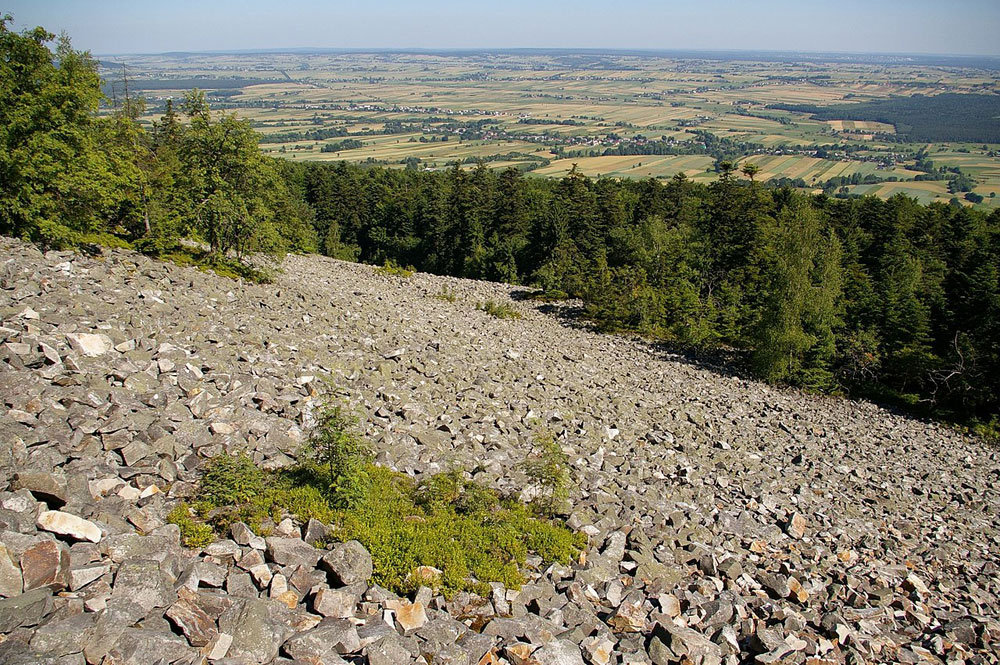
pixel 861 126
pixel 634 166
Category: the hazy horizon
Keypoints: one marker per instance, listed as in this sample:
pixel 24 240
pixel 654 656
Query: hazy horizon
pixel 905 27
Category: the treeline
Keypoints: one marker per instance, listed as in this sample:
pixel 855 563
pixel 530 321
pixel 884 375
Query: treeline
pixel 868 297
pixel 346 144
pixel 885 298
pixel 949 117
pixel 307 135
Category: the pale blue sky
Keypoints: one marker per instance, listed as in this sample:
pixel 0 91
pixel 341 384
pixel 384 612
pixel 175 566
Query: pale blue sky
pixel 881 26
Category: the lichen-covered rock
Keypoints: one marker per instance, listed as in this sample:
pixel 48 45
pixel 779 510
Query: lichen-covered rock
pixel 26 609
pixel 292 552
pixel 142 581
pixel 324 643
pixel 348 563
pixel 256 636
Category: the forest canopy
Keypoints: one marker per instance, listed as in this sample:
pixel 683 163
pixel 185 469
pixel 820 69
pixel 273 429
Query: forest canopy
pixel 949 117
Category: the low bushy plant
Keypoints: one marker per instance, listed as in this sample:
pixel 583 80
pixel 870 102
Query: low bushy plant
pixel 231 480
pixel 393 269
pixel 464 530
pixel 446 294
pixel 499 310
pixel 193 532
pixel 448 522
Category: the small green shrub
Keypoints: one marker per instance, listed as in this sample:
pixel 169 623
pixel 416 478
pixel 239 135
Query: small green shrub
pixel 450 491
pixel 193 533
pixel 231 480
pixel 336 448
pixel 987 430
pixel 549 469
pixel 451 524
pixel 393 269
pixel 182 255
pixel 446 294
pixel 499 310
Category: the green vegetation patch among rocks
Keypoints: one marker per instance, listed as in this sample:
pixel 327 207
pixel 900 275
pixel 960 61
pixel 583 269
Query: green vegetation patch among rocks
pixel 499 310
pixel 446 532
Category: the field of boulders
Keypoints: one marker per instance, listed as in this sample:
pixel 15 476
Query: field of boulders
pixel 728 521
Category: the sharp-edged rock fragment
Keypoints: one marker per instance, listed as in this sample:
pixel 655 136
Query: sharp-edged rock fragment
pixel 348 563
pixel 66 524
pixel 46 564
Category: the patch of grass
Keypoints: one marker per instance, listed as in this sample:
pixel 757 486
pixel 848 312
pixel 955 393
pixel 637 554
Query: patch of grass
pixel 499 310
pixel 471 533
pixel 392 269
pixel 467 531
pixel 193 532
pixel 446 294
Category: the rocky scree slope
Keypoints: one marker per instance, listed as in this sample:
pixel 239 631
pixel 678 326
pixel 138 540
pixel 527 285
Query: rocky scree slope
pixel 729 521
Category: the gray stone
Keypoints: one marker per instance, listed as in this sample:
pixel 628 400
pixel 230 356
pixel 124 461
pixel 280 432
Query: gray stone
pixel 26 609
pixel 347 563
pixel 256 637
pixel 140 646
pixel 337 603
pixel 324 643
pixel 11 582
pixel 316 531
pixel 64 636
pixel 690 644
pixel 559 652
pixel 143 582
pixel 292 552
pixel 48 487
pixel 110 626
pixel 387 651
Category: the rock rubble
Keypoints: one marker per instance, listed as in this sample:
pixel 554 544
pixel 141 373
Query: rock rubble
pixel 729 521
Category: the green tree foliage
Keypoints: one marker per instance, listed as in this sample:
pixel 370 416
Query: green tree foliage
pixel 339 452
pixel 69 175
pixel 232 190
pixel 470 533
pixel 61 178
pixel 794 337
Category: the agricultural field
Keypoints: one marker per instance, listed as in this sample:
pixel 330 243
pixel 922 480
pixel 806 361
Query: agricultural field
pixel 621 115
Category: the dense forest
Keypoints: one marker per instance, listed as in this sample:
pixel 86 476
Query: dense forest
pixel 880 298
pixel 949 117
